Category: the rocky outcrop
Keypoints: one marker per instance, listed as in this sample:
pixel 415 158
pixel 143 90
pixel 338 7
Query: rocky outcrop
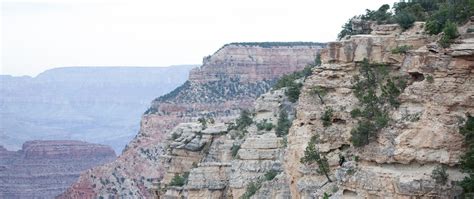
pixel 44 169
pixel 422 132
pixel 228 81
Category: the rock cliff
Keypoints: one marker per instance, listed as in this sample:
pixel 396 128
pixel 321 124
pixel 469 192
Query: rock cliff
pixel 228 81
pixel 420 97
pixel 44 169
pixel 422 131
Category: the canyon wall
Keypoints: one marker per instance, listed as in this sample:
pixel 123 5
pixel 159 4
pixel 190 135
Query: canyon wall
pixel 44 169
pixel 228 81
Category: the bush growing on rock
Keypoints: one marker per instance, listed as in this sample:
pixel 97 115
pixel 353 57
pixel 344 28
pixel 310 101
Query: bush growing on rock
pixel 372 114
pixel 401 49
pixel 450 31
pixel 326 117
pixel 312 155
pixel 467 160
pixel 439 175
pixel 251 189
pixel 179 180
pixel 283 125
pixel 265 125
pixel 270 174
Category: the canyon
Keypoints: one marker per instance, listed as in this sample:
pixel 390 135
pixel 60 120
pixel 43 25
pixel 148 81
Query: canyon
pixel 94 104
pixel 44 169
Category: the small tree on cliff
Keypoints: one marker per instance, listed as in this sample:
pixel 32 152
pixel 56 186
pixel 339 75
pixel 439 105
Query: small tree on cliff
pixel 312 155
pixel 467 161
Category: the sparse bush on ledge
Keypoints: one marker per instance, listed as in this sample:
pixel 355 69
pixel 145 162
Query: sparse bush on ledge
pixel 179 180
pixel 401 49
pixel 439 175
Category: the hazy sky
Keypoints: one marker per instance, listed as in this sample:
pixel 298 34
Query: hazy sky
pixel 42 34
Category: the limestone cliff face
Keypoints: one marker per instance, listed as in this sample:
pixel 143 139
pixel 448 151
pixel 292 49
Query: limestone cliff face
pixel 422 132
pixel 228 81
pixel 44 169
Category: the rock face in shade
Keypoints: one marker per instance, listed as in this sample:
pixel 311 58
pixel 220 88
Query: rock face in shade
pixel 228 81
pixel 44 169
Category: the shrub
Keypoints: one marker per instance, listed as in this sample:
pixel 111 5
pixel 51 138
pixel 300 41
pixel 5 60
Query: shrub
pixel 467 160
pixel 203 122
pixel 270 174
pixel 265 125
pixel 234 150
pixel 293 91
pixel 318 91
pixel 251 189
pixel 317 60
pixel 450 31
pixel 401 49
pixel 326 117
pixel 242 122
pixel 405 19
pixel 429 79
pixel 346 29
pixel 312 155
pixel 373 113
pixel 179 180
pixel 283 125
pixel 439 175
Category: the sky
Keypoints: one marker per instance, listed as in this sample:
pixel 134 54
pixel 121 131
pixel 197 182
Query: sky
pixel 41 34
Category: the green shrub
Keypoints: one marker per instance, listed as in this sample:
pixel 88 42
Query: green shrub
pixel 318 91
pixel 179 180
pixel 405 19
pixel 450 31
pixel 374 89
pixel 429 79
pixel 251 189
pixel 326 117
pixel 326 196
pixel 203 122
pixel 439 175
pixel 293 91
pixel 235 150
pixel 283 125
pixel 467 160
pixel 346 29
pixel 242 122
pixel 265 125
pixel 401 49
pixel 270 174
pixel 312 155
pixel 317 60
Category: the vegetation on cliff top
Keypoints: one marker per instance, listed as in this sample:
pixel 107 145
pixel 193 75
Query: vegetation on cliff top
pixel 440 15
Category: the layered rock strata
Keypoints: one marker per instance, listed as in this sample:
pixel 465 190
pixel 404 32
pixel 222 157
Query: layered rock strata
pixel 44 169
pixel 228 81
